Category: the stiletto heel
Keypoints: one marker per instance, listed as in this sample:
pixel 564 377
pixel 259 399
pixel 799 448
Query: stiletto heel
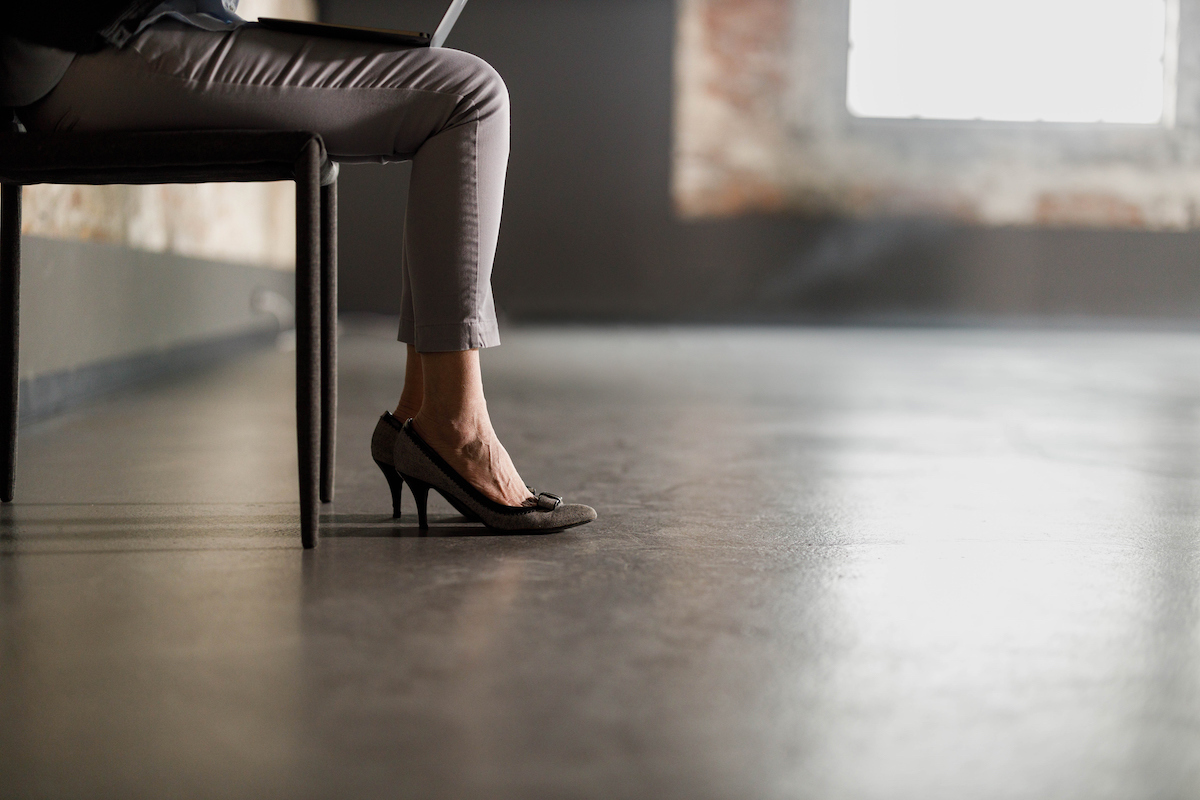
pixel 395 483
pixel 420 493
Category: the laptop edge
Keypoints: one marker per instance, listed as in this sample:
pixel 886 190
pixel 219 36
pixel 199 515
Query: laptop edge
pixel 410 38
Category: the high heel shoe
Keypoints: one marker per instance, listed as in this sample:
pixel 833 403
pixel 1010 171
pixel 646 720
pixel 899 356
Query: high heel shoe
pixel 423 469
pixel 383 445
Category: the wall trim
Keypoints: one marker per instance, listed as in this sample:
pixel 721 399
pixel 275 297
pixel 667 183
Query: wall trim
pixel 58 392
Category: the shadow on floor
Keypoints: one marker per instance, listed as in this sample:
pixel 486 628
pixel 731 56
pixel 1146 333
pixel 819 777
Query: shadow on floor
pixel 350 526
pixel 55 525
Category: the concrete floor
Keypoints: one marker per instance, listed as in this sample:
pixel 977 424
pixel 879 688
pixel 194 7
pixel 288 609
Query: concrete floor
pixel 829 564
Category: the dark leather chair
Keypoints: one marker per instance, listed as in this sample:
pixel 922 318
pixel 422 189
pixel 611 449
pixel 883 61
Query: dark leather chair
pixel 195 157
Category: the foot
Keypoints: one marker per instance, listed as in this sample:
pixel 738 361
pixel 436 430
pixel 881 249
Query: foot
pixel 471 447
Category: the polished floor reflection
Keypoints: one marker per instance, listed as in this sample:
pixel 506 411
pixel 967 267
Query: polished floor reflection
pixel 829 564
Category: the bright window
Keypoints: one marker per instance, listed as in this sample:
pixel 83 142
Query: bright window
pixel 1013 60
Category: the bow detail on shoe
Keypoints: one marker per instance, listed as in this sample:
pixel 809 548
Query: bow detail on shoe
pixel 547 502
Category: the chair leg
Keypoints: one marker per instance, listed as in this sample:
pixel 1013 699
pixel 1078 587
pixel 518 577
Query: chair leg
pixel 329 338
pixel 308 322
pixel 10 338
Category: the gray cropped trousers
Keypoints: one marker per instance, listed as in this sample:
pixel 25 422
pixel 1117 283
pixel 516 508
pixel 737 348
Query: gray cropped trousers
pixel 445 110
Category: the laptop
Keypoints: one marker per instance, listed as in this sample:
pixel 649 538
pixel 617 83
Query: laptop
pixel 379 35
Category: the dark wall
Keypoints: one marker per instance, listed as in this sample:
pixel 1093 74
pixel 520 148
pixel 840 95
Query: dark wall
pixel 589 232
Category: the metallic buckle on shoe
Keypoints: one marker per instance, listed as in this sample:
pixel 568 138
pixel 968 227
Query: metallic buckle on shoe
pixel 548 502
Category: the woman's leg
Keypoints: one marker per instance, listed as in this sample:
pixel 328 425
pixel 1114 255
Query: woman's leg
pixel 448 311
pixel 447 111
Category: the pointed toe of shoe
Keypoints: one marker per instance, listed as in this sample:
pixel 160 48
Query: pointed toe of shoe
pixel 568 516
pixel 565 516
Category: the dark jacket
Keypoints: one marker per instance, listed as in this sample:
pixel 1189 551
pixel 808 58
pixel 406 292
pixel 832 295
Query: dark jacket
pixel 80 26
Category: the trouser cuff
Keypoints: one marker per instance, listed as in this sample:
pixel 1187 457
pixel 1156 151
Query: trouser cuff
pixel 451 338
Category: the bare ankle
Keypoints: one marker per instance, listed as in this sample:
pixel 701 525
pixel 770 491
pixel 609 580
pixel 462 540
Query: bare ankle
pixel 412 397
pixel 406 410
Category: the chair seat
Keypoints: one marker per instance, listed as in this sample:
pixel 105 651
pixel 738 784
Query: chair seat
pixel 156 157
